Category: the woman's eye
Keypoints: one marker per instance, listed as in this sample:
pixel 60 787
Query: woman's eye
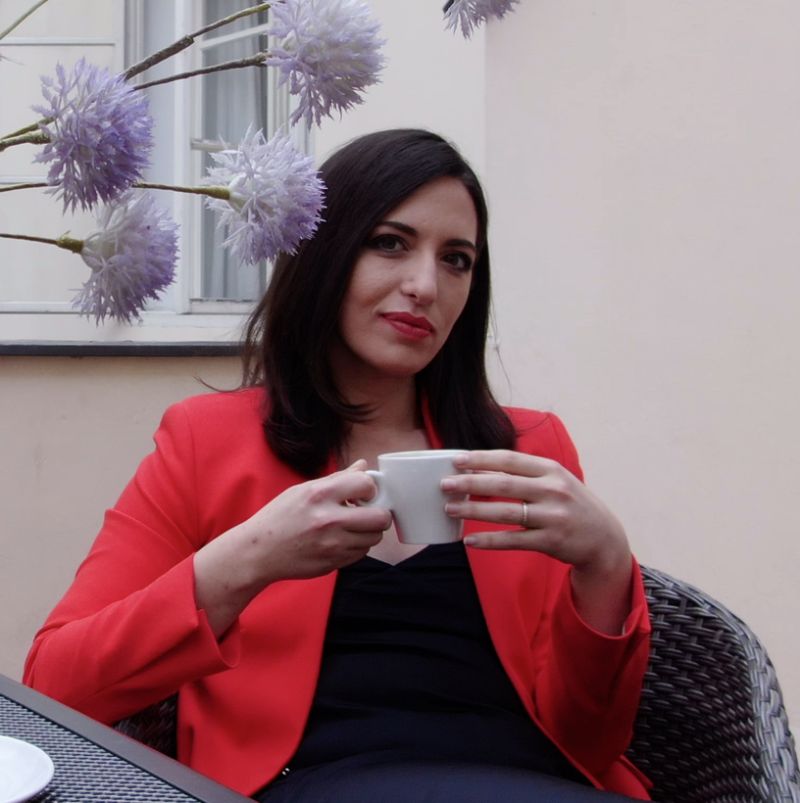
pixel 386 242
pixel 459 260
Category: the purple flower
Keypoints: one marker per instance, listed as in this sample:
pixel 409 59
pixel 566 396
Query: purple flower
pixel 132 257
pixel 275 196
pixel 329 51
pixel 469 14
pixel 101 134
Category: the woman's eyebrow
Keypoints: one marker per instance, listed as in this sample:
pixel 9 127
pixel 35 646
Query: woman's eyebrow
pixel 410 230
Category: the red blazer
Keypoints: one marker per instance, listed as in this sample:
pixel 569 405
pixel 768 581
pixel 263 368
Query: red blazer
pixel 128 633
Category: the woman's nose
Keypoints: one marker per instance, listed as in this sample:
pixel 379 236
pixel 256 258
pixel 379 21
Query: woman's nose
pixel 420 279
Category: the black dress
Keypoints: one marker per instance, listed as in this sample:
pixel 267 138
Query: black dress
pixel 413 703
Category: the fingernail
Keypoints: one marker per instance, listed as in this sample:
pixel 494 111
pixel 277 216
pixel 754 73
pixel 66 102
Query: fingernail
pixel 447 484
pixel 470 540
pixel 460 459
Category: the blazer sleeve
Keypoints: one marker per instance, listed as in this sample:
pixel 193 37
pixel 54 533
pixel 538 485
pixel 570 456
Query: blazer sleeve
pixel 128 632
pixel 589 683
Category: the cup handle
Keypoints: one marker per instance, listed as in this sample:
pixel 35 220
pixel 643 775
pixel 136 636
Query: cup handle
pixel 381 499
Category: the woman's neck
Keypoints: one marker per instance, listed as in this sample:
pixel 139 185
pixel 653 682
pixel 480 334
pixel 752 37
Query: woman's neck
pixel 394 423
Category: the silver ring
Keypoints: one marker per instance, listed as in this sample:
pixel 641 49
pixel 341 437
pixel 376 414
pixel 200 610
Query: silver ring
pixel 524 522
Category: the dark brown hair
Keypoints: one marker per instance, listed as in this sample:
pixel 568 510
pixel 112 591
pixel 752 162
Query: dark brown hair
pixel 289 333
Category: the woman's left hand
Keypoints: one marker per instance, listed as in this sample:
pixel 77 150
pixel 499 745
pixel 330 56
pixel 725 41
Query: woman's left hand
pixel 555 514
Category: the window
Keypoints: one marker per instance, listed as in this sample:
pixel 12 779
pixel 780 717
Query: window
pixel 193 118
pixel 229 101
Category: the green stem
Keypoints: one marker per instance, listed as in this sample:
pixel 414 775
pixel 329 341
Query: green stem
pixel 29 128
pixel 21 19
pixel 33 139
pixel 186 41
pixel 223 193
pixel 69 243
pixel 28 186
pixel 253 61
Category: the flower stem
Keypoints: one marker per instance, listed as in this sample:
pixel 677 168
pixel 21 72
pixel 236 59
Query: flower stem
pixel 253 61
pixel 28 128
pixel 34 139
pixel 186 41
pixel 69 243
pixel 232 17
pixel 21 19
pixel 27 186
pixel 223 193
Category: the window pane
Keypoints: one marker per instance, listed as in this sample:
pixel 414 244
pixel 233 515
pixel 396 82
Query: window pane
pixel 231 101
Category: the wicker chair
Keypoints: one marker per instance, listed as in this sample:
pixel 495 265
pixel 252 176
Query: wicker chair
pixel 711 727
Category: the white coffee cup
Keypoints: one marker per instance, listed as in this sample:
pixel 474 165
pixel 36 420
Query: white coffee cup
pixel 408 485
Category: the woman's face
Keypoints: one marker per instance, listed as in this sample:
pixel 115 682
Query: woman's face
pixel 410 283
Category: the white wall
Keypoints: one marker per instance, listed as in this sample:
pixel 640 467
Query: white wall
pixel 644 175
pixel 433 79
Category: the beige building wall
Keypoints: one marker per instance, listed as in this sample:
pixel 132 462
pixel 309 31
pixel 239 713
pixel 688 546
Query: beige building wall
pixel 645 183
pixel 73 432
pixel 641 163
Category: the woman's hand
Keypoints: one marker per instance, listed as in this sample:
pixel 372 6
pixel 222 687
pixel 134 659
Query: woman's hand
pixel 312 528
pixel 556 514
pixel 307 531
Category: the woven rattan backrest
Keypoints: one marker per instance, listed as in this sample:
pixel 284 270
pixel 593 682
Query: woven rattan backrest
pixel 155 726
pixel 712 726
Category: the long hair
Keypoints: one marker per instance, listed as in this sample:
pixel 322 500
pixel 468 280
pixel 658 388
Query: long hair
pixel 288 335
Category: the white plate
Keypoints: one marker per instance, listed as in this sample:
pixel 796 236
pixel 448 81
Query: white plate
pixel 24 770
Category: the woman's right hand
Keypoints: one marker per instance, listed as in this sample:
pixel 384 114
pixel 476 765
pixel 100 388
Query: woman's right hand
pixel 312 528
pixel 307 531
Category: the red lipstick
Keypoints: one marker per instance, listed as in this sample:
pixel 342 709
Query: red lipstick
pixel 414 326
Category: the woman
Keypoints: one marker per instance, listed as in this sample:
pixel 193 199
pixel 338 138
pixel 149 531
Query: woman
pixel 316 657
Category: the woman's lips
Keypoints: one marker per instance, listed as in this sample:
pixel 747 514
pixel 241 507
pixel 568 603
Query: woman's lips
pixel 412 326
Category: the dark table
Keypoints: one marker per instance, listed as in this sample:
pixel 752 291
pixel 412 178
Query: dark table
pixel 95 763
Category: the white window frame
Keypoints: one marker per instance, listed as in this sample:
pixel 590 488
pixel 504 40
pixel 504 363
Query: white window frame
pixel 193 122
pixel 181 317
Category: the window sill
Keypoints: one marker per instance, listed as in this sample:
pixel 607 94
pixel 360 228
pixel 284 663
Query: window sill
pixel 66 348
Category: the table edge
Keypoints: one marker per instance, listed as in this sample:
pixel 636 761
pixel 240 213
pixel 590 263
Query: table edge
pixel 146 758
